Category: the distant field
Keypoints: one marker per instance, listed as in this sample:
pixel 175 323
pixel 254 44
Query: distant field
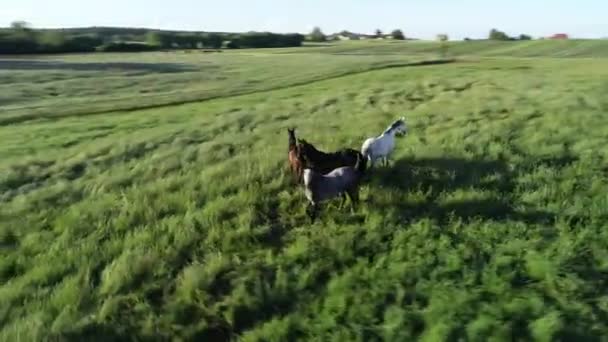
pixel 180 220
pixel 55 86
pixel 533 48
pixel 52 86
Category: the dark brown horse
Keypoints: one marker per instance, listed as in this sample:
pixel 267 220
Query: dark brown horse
pixel 293 156
pixel 324 163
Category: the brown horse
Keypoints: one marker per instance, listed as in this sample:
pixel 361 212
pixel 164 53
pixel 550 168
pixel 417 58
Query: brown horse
pixel 324 163
pixel 293 156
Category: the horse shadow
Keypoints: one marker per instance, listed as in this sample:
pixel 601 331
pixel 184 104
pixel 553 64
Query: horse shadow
pixel 432 178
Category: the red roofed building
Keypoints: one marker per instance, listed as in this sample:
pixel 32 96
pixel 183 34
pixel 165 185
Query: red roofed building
pixel 559 36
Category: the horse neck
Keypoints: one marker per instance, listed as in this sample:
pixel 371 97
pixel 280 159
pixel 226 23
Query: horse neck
pixel 316 153
pixel 389 133
pixel 292 141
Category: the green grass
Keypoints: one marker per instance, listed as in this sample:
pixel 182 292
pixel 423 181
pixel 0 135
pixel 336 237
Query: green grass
pixel 181 220
pixel 483 48
pixel 57 86
pixel 51 86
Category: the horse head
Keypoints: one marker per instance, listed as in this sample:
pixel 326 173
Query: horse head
pixel 291 132
pixel 398 127
pixel 307 152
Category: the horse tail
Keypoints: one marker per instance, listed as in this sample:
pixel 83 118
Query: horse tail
pixel 365 151
pixel 361 164
pixel 367 148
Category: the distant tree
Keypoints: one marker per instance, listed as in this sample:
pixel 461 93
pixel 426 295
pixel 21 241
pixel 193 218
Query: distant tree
pixel 20 25
pixel 467 39
pixel 52 41
pixel 231 44
pixel 524 37
pixel 443 37
pixel 126 47
pixel 398 34
pixel 154 38
pixel 83 43
pixel 165 39
pixel 213 40
pixel 191 41
pixel 22 30
pixel 317 35
pixel 20 38
pixel 443 44
pixel 498 35
pixel 378 33
pixel 269 40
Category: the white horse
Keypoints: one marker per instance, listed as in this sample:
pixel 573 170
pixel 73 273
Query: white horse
pixel 379 148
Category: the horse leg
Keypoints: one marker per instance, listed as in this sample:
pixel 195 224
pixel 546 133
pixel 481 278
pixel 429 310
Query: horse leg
pixel 343 195
pixel 312 211
pixel 292 170
pixel 297 174
pixel 353 194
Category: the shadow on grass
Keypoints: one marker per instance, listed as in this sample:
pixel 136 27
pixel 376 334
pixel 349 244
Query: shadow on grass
pixel 434 177
pixel 28 64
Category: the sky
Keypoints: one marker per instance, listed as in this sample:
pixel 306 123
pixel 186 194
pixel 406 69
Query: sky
pixel 419 19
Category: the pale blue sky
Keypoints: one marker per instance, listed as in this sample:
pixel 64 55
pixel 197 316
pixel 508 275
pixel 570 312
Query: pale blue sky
pixel 422 18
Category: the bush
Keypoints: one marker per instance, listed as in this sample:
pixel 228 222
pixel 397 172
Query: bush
pixel 14 44
pixel 213 40
pixel 126 47
pixel 398 34
pixel 231 44
pixel 317 35
pixel 26 42
pixel 498 35
pixel 23 40
pixel 82 44
pixel 269 40
pixel 443 37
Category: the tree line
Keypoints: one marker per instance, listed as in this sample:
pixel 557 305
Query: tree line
pixel 21 39
pixel 499 35
pixel 317 35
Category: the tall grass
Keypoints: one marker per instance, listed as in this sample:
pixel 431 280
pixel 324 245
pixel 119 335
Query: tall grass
pixel 182 222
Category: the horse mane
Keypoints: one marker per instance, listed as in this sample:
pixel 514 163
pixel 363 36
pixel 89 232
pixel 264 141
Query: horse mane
pixel 292 139
pixel 393 126
pixel 307 145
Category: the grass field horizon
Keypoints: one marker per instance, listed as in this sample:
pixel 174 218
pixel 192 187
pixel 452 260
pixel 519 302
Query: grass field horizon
pixel 180 221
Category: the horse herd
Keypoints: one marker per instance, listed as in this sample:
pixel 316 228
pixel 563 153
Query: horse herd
pixel 329 175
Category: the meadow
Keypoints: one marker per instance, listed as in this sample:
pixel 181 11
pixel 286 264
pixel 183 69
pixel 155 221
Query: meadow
pixel 148 199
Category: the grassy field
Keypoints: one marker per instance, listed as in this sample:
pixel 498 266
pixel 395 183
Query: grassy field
pixel 483 48
pixel 54 86
pixel 180 221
